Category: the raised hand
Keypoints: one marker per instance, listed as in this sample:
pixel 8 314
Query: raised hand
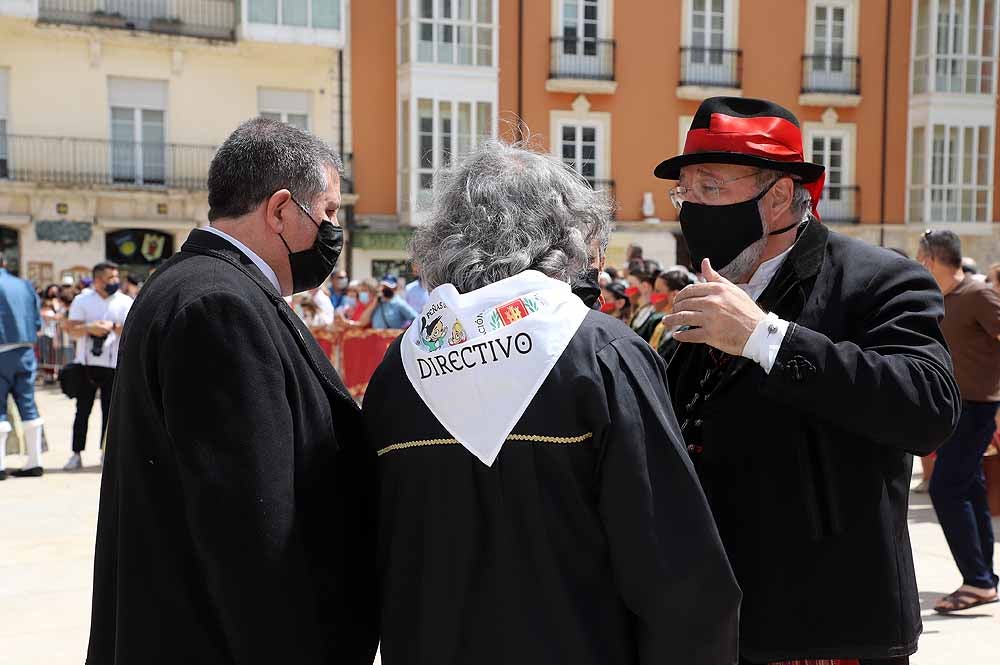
pixel 720 313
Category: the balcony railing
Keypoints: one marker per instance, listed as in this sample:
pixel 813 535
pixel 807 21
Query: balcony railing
pixel 831 74
pixel 711 67
pixel 210 19
pixel 72 161
pixel 582 58
pixel 840 204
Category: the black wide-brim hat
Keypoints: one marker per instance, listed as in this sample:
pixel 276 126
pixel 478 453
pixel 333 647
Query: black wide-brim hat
pixel 748 132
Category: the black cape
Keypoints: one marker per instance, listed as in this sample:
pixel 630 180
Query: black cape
pixel 807 468
pixel 237 501
pixel 591 546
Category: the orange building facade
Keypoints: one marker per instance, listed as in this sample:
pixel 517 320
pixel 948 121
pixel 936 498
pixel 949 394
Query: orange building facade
pixel 896 97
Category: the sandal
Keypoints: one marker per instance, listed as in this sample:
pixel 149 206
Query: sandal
pixel 963 600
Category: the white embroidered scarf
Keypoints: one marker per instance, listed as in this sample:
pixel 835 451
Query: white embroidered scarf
pixel 477 359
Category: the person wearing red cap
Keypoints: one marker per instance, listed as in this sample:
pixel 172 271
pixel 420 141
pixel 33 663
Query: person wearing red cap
pixel 810 367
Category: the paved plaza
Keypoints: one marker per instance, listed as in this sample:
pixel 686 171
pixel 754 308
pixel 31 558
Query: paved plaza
pixel 47 546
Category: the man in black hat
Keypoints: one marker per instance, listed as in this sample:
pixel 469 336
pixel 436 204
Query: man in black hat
pixel 812 366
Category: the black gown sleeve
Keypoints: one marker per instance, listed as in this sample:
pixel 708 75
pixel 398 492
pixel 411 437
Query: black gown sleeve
pixel 668 560
pixel 897 364
pixel 228 417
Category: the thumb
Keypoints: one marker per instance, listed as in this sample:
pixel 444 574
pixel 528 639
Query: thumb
pixel 709 272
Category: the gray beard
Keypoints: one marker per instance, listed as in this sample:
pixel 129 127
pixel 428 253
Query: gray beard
pixel 738 270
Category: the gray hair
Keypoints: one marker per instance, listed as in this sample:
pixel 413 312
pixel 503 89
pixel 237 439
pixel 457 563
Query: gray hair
pixel 261 157
pixel 505 209
pixel 801 198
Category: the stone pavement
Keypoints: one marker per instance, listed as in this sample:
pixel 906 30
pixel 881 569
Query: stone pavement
pixel 47 546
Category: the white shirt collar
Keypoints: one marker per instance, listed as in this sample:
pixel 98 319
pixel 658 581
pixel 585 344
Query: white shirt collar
pixel 250 254
pixel 764 274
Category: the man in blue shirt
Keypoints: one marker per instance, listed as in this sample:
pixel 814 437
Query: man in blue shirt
pixel 391 312
pixel 20 321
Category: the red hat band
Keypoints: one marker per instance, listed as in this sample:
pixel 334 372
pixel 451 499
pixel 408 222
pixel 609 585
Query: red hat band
pixel 768 137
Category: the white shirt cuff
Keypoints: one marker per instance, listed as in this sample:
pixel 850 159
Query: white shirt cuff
pixel 765 341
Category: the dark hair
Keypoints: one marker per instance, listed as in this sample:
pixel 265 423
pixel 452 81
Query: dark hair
pixel 649 277
pixel 261 157
pixel 612 272
pixel 943 246
pixel 130 278
pixel 675 279
pixel 102 266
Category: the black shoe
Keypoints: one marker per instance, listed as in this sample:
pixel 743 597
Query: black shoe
pixel 3 475
pixel 33 472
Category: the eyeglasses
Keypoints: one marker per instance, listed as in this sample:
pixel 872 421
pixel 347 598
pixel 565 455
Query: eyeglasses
pixel 707 190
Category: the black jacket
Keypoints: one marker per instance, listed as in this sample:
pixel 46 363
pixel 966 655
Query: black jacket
pixel 807 469
pixel 235 522
pixel 591 544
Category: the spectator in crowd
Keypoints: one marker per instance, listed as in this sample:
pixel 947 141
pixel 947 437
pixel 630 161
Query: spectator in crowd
pixel 616 302
pixel 668 285
pixel 643 303
pixel 604 279
pixel 324 307
pixel 660 300
pixel 131 286
pixel 969 266
pixel 634 262
pixel 53 313
pixel 612 273
pixel 338 289
pixel 416 294
pixel 993 276
pixel 20 322
pixel 391 312
pixel 96 318
pixel 971 327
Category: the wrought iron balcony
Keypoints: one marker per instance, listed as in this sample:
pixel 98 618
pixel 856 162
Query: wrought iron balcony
pixel 210 19
pixel 831 74
pixel 582 58
pixel 72 161
pixel 840 204
pixel 711 67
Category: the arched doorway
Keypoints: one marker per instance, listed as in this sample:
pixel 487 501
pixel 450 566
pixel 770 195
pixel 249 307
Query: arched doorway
pixel 138 251
pixel 10 246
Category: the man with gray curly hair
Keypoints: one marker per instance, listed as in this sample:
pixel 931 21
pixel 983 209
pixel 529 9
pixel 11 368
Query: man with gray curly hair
pixel 537 505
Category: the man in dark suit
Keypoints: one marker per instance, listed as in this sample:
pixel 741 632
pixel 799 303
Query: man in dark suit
pixel 237 500
pixel 812 367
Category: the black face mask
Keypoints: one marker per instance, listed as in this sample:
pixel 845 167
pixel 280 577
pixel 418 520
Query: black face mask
pixel 312 266
pixel 112 288
pixel 721 233
pixel 586 287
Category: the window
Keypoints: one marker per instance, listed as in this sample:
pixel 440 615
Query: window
pixel 296 13
pixel 290 106
pixel 708 55
pixel 3 124
pixel 454 32
pixel 579 27
pixel 955 184
pixel 445 130
pixel 955 46
pixel 832 149
pixel 138 130
pixel 707 30
pixel 580 147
